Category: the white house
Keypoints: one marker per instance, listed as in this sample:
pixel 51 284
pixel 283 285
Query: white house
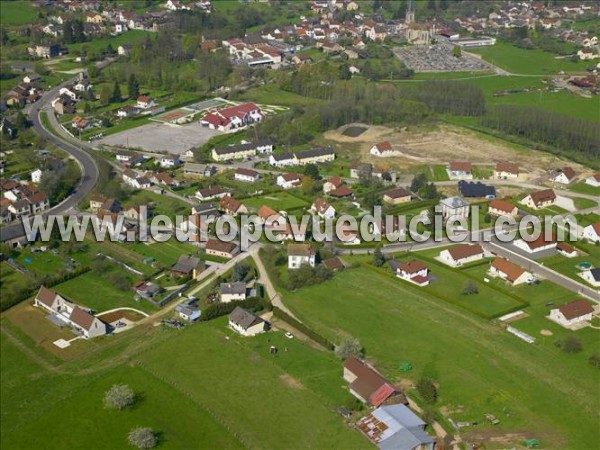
pixel 383 149
pixel 565 175
pixel 145 102
pixel 283 160
pixel 414 271
pixel 289 180
pixel 299 254
pixel 246 175
pixel 592 276
pixel 232 292
pixel 540 199
pixel 460 170
pixel 188 310
pixel 331 184
pixel 246 323
pixel 593 180
pixel 168 161
pixel 323 209
pixel 79 319
pixel 136 181
pixel 592 232
pixel 454 208
pixel 514 274
pixel 36 176
pixel 506 171
pixel 461 254
pixel 536 245
pixel 65 91
pixel 572 314
pixel 499 208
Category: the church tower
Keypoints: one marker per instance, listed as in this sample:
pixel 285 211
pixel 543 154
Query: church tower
pixel 410 13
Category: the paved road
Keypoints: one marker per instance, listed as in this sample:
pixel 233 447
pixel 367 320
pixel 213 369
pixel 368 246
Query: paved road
pixel 86 163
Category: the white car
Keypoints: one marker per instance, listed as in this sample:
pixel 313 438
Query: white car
pixel 289 335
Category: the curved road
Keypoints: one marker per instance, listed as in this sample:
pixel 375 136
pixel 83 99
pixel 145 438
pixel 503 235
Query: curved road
pixel 89 169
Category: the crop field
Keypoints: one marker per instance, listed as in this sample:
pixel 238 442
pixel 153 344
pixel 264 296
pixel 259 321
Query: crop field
pixel 279 201
pixel 176 397
pixel 479 366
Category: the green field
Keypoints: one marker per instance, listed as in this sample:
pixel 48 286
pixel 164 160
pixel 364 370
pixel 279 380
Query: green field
pixel 530 62
pixel 279 201
pixel 190 389
pixel 95 46
pixel 17 12
pixel 165 253
pixel 96 292
pixel 477 364
pixel 584 188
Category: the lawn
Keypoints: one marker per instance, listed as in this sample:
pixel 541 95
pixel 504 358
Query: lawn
pixel 568 266
pixel 17 13
pixel 95 291
pixel 583 188
pixel 165 253
pixel 95 46
pixel 159 204
pixel 30 409
pixel 478 365
pixel 279 201
pixel 264 394
pixel 584 203
pixel 270 94
pixel 583 220
pixel 530 62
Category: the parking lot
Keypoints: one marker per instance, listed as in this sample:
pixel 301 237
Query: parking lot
pixel 439 58
pixel 162 137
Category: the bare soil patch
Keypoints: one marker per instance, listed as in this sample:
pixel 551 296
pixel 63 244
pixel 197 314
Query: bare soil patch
pixel 354 131
pixel 546 333
pixel 124 314
pixel 442 144
pixel 291 381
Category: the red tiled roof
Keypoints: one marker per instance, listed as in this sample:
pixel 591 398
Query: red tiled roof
pixel 220 246
pixel 462 166
pixel 565 248
pixel 381 395
pixel 542 196
pixel 462 251
pixel 540 241
pixel 367 381
pixel 412 266
pixel 46 296
pixel 384 146
pixel 502 205
pixel 512 271
pixel 576 308
pixel 507 167
pixel 340 192
pixel 81 318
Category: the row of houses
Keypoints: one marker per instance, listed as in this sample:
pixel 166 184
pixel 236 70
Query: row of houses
pixel 313 156
pixel 21 199
pixel 243 150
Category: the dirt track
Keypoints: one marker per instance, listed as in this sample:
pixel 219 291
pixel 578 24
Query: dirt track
pixel 444 143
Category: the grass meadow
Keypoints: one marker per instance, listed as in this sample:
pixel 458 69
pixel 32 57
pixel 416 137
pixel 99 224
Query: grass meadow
pixel 480 367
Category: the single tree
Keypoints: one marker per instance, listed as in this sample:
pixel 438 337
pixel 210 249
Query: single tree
pixel 119 396
pixel 570 344
pixel 594 360
pixel 457 51
pixel 142 437
pixel 345 73
pixel 470 288
pixel 378 257
pixel 426 389
pixel 116 94
pixel 105 95
pixel 312 170
pixel 350 346
pixel 133 87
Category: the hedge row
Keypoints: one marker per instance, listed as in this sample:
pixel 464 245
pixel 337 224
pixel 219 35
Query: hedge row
pixel 221 309
pixel 303 328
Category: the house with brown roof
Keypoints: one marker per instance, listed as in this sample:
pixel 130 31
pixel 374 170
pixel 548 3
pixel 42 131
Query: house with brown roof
pixel 334 263
pixel 504 269
pixel 592 232
pixel 222 249
pixel 506 171
pixel 246 175
pixel 499 208
pixel 593 180
pixel 341 192
pixel 384 149
pixel 397 196
pixel 461 254
pixel 332 183
pixel 210 193
pixel 460 170
pixel 300 254
pixel 540 199
pixel 289 180
pixel 323 209
pixel 566 175
pixel 566 250
pixel 80 320
pixel 575 314
pixel 414 271
pixel 535 245
pixel 369 386
pixel 231 206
